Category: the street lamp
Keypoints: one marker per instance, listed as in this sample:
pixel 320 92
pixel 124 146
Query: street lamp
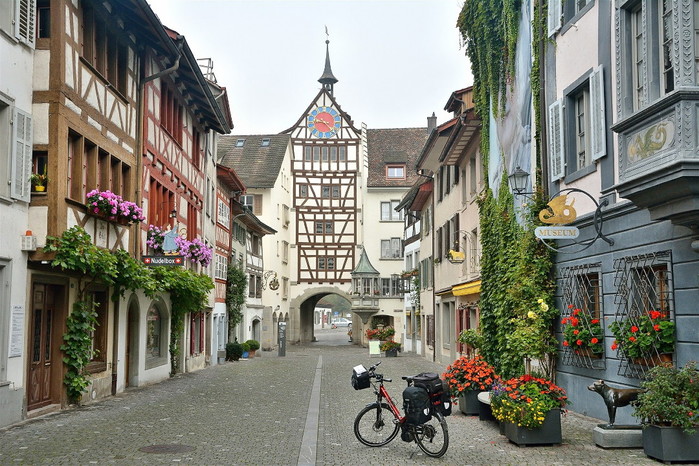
pixel 518 181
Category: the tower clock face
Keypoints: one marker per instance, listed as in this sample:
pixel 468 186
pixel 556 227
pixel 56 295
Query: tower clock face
pixel 324 122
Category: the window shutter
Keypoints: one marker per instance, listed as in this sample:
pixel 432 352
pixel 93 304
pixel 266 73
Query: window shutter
pixel 598 130
pixel 554 16
pixel 555 129
pixel 257 204
pixel 22 156
pixel 24 21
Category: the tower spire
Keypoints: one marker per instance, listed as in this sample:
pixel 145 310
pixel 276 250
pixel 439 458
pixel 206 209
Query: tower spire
pixel 327 79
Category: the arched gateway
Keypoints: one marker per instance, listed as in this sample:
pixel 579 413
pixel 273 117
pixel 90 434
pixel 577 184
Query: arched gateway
pixel 301 311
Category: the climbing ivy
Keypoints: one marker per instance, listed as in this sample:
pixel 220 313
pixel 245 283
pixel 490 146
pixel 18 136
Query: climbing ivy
pixel 236 283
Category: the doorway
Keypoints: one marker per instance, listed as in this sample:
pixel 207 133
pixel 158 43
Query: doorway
pixel 46 322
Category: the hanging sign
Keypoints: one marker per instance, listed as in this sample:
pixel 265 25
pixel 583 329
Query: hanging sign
pixel 174 261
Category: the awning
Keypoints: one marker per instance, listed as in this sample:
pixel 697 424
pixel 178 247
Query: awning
pixel 467 289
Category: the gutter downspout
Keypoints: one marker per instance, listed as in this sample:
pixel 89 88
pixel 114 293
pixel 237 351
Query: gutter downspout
pixel 136 242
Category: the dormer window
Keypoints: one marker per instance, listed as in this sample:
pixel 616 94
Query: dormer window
pixel 395 172
pixel 265 142
pixel 240 143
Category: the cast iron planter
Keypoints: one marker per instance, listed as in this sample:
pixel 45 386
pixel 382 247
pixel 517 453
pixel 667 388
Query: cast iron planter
pixel 468 402
pixel 548 434
pixel 670 444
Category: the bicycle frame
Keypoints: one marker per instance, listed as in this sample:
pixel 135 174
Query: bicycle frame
pixel 383 393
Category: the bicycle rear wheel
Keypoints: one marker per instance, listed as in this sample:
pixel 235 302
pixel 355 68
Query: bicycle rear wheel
pixel 374 425
pixel 433 436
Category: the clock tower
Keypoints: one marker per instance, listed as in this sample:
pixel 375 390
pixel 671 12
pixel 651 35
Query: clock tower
pixel 326 165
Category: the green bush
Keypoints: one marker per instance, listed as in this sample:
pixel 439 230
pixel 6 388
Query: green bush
pixel 254 345
pixel 246 347
pixel 234 351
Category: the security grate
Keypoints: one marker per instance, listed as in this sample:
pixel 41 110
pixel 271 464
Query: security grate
pixel 644 300
pixel 582 313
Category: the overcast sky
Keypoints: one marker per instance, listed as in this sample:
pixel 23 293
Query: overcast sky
pixel 397 61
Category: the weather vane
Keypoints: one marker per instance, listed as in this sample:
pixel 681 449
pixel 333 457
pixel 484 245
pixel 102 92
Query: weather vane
pixel 327 34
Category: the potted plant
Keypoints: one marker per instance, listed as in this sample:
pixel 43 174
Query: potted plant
pixel 39 181
pixel 246 350
pixel 466 377
pixel 582 334
pixel 234 351
pixel 390 347
pixel 254 346
pixel 471 337
pixel 644 337
pixel 113 207
pixel 530 409
pixel 669 411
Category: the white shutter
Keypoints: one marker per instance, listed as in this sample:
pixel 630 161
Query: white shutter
pixel 598 129
pixel 25 23
pixel 21 156
pixel 554 16
pixel 555 133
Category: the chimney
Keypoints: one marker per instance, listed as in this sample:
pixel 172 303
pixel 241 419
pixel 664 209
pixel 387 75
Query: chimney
pixel 431 123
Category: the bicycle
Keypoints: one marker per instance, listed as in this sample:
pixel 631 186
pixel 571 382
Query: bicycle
pixel 378 423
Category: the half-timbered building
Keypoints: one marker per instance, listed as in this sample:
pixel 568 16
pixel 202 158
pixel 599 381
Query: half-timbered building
pixel 107 116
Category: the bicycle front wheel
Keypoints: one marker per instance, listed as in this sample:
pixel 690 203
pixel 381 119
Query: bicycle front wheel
pixel 433 436
pixel 374 426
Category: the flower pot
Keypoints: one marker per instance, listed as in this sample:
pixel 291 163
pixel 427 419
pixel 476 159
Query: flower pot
pixel 246 354
pixel 392 353
pixel 39 189
pixel 670 444
pixel 549 433
pixel 251 353
pixel 654 360
pixel 468 403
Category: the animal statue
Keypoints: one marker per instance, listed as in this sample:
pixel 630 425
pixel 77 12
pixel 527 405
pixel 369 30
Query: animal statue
pixel 614 397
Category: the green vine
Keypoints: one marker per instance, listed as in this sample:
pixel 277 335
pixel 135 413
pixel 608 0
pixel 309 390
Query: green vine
pixel 236 284
pixel 74 251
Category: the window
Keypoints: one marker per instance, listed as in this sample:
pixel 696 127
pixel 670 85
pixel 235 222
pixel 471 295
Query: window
pixel 161 203
pixel 285 251
pixel 395 172
pixel 323 227
pixel 43 18
pixel 446 324
pixel 388 212
pixel 221 267
pixel 196 340
pixel 582 131
pixel 391 248
pixel 335 191
pixel 239 142
pixel 325 191
pixel 303 190
pixel 98 360
pixel 253 202
pixel 103 49
pixel 646 39
pixel 224 214
pixel 264 142
pixel 154 332
pixel 170 112
pixel 192 221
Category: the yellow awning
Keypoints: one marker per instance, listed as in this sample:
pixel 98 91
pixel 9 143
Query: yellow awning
pixel 467 288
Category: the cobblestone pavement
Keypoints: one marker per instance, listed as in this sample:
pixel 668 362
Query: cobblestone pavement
pixel 255 412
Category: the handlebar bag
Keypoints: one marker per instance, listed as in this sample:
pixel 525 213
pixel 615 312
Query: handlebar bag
pixel 360 377
pixel 417 405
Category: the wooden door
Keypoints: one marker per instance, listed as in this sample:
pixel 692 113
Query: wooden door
pixel 43 354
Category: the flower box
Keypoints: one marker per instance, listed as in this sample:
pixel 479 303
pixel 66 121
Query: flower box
pixel 665 443
pixel 549 433
pixel 468 402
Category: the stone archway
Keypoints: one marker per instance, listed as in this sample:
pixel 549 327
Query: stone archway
pixel 302 312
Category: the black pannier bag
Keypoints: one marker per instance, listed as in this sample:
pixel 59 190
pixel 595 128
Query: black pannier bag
pixel 360 377
pixel 417 406
pixel 437 389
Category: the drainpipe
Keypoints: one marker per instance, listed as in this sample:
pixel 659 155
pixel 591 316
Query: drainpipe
pixel 136 241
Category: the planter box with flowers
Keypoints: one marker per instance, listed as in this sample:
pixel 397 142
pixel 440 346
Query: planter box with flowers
pixel 391 348
pixel 530 409
pixel 381 334
pixel 647 339
pixel 112 207
pixel 669 411
pixel 582 334
pixel 466 377
pixel 195 250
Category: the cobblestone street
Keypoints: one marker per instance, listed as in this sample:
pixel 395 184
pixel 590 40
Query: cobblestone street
pixel 266 411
